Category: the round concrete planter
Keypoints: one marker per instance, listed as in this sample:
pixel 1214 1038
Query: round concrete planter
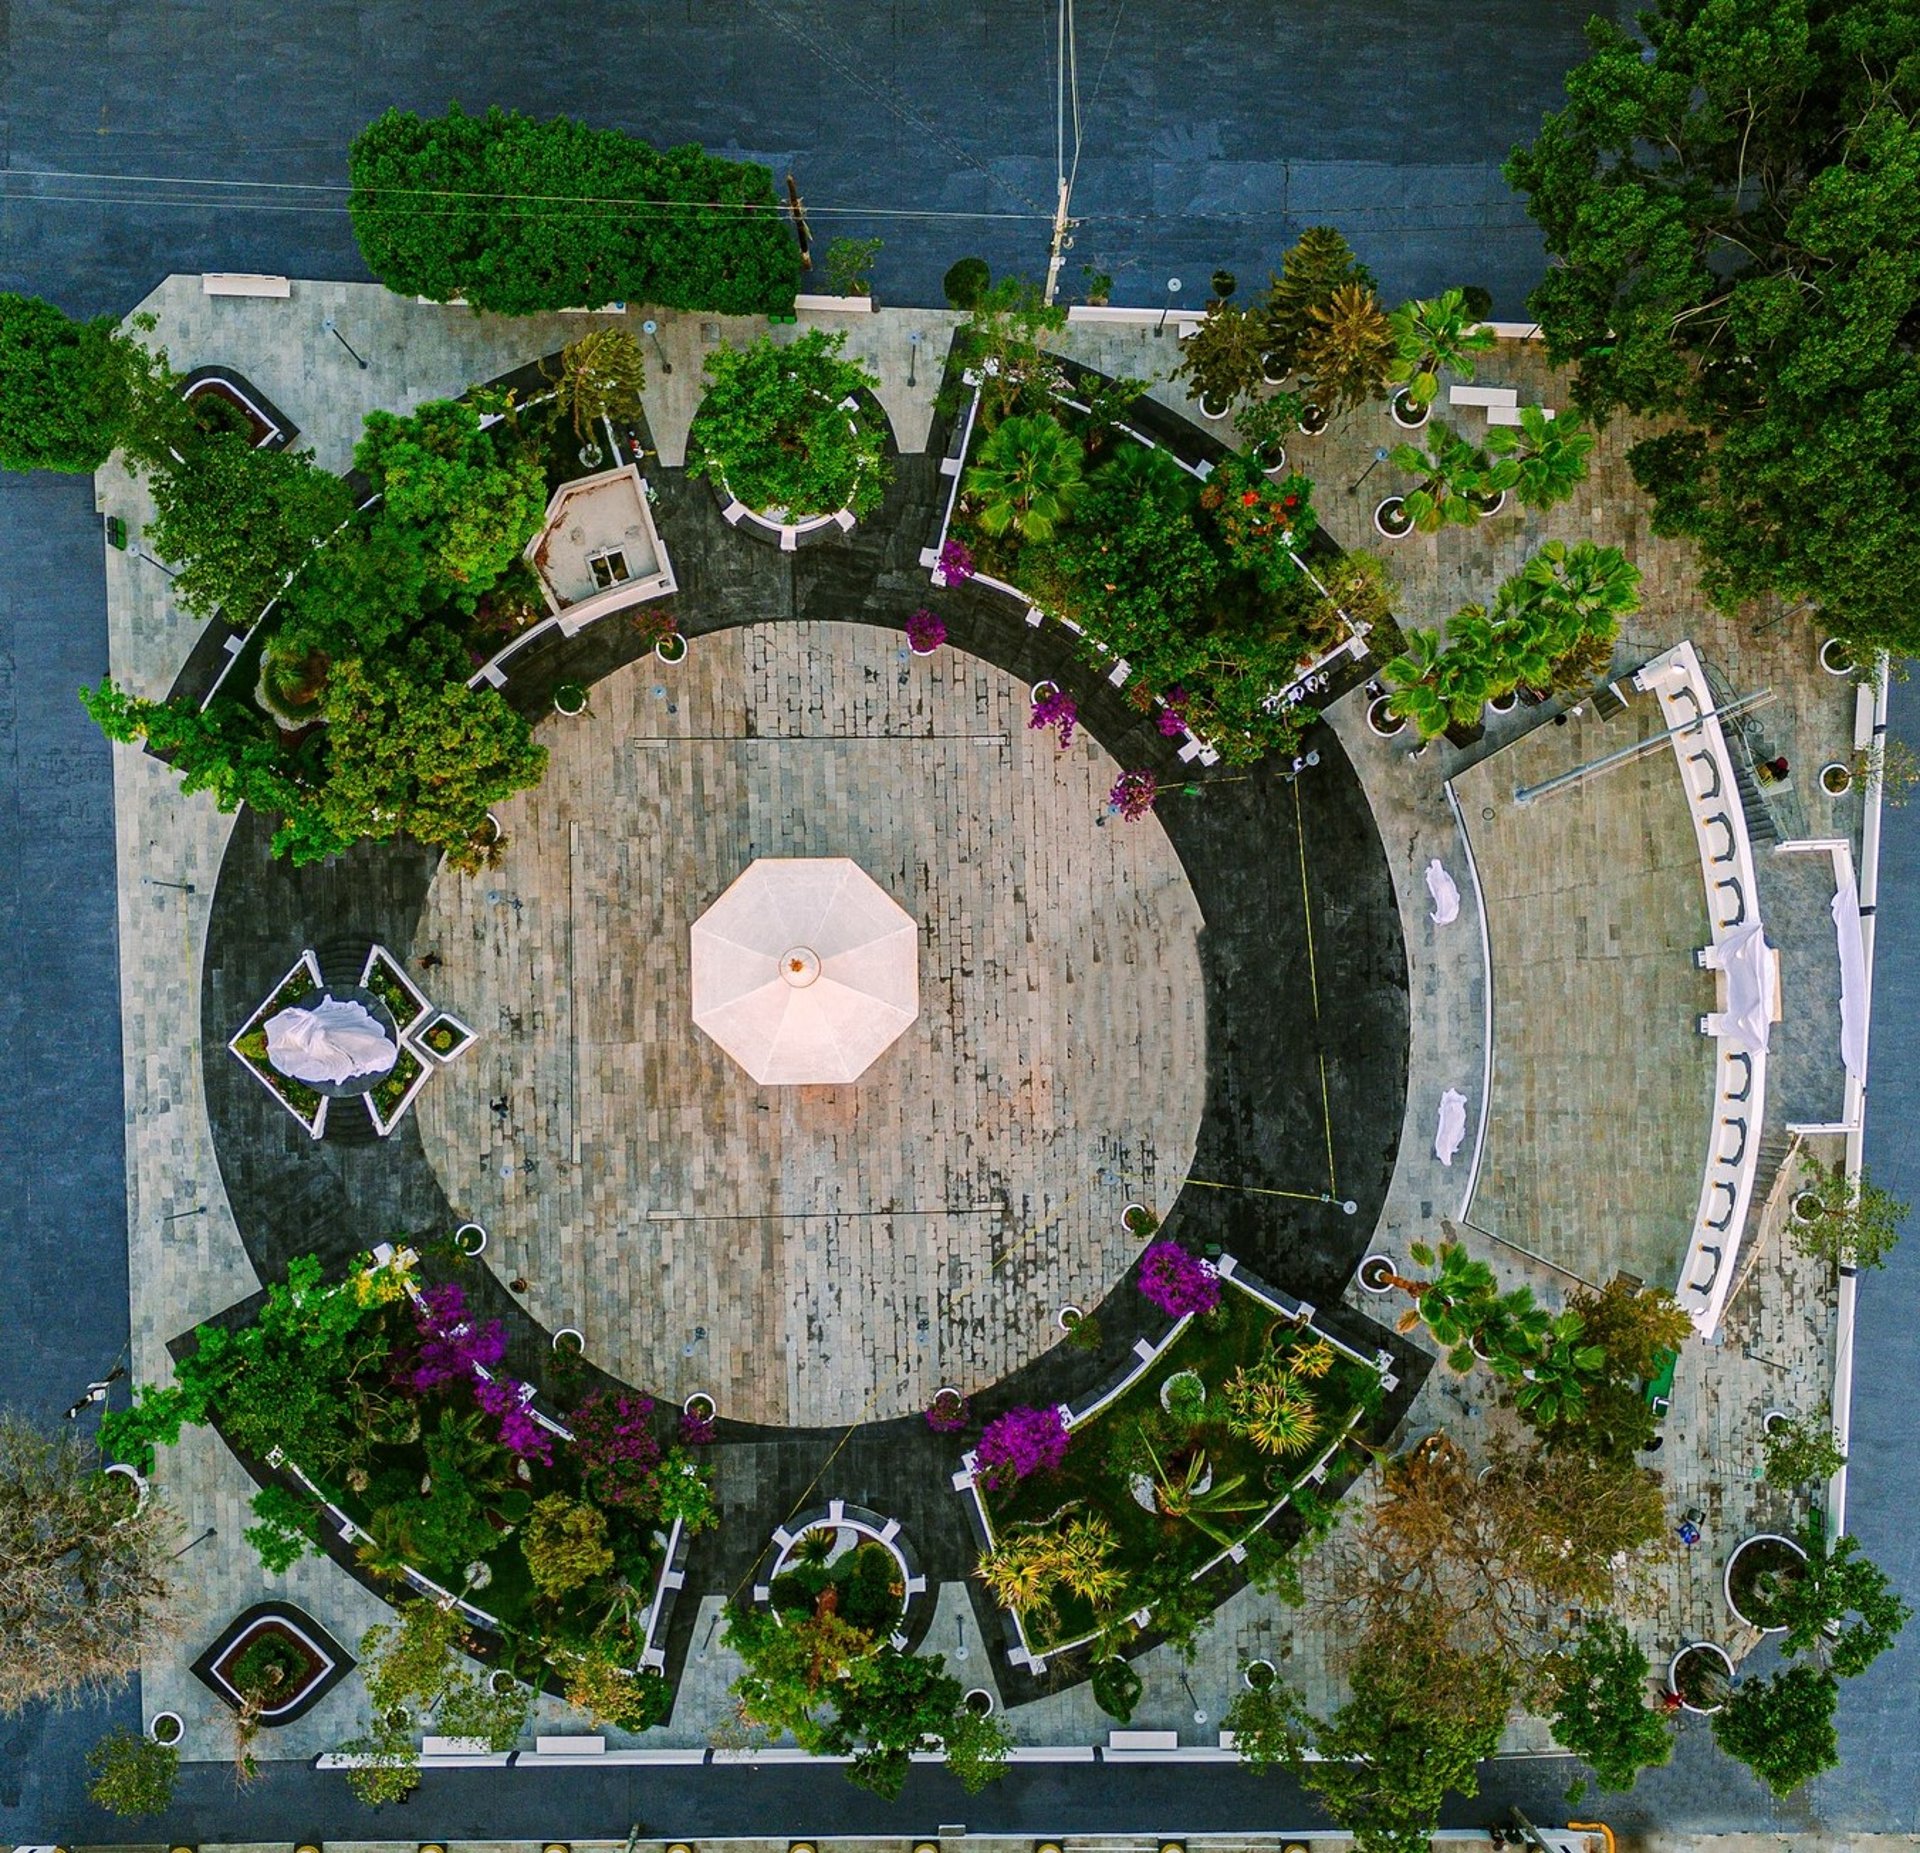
pixel 1213 408
pixel 979 1701
pixel 1313 420
pixel 1068 1317
pixel 1487 507
pixel 134 1479
pixel 700 1404
pixel 1835 658
pixel 1782 1550
pixel 1407 415
pixel 1272 458
pixel 1268 362
pixel 1381 718
pixel 471 1239
pixel 1836 780
pixel 1709 1651
pixel 1391 519
pixel 1138 1221
pixel 1259 1675
pixel 671 649
pixel 570 1339
pixel 166 1727
pixel 1375 1274
pixel 1774 1420
pixel 1503 704
pixel 569 699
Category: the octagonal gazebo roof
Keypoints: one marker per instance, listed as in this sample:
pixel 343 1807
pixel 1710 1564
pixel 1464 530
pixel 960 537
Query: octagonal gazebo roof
pixel 805 970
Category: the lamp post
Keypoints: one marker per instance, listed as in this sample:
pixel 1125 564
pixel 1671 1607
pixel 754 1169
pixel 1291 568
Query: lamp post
pixel 1379 457
pixel 913 356
pixel 651 328
pixel 1173 294
pixel 1199 1711
pixel 328 325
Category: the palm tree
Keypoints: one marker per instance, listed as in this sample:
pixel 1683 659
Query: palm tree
pixel 1542 460
pixel 1588 580
pixel 599 376
pixel 1451 471
pixel 1441 332
pixel 1416 694
pixel 1347 349
pixel 1027 477
pixel 1555 1378
pixel 1437 688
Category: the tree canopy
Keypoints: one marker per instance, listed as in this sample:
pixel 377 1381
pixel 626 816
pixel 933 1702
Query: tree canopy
pixel 519 216
pixel 1735 210
pixel 63 387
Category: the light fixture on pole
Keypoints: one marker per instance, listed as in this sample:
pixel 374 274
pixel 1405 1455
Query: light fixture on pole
pixel 913 356
pixel 652 328
pixel 1173 294
pixel 1379 457
pixel 1199 1711
pixel 328 325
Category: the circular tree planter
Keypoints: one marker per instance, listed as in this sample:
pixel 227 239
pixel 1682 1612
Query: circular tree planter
pixel 979 1701
pixel 1805 1207
pixel 1068 1317
pixel 569 698
pixel 1835 658
pixel 1381 718
pixel 1272 371
pixel 671 648
pixel 1756 1565
pixel 1689 1675
pixel 1836 780
pixel 1042 691
pixel 1272 458
pixel 490 832
pixel 310 1662
pixel 1313 420
pixel 592 456
pixel 1213 407
pixel 1487 506
pixel 135 1484
pixel 1259 1675
pixel 166 1727
pixel 470 1238
pixel 1407 415
pixel 570 1340
pixel 1168 1389
pixel 1139 1221
pixel 1392 519
pixel 1773 1421
pixel 1377 1272
pixel 500 1682
pixel 1503 704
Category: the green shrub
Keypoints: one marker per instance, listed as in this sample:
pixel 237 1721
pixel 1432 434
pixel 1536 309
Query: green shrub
pixel 773 430
pixel 63 387
pixel 966 281
pixel 1600 1708
pixel 132 1774
pixel 509 213
pixel 286 1530
pixel 1782 1727
pixel 565 1545
pixel 1116 1687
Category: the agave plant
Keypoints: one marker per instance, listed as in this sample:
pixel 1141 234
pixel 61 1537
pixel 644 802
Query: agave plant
pixel 1268 1405
pixel 1451 473
pixel 1431 335
pixel 1027 478
pixel 1542 459
pixel 1180 1495
pixel 1347 350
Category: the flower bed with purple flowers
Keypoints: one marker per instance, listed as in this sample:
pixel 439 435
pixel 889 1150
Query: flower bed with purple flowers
pixel 410 1425
pixel 1091 1483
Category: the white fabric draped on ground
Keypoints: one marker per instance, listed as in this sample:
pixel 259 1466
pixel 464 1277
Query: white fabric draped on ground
pixel 1752 969
pixel 1445 892
pixel 332 1042
pixel 1453 1125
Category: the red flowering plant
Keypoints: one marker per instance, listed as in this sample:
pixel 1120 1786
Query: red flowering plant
pixel 1260 522
pixel 1021 1442
pixel 1177 1282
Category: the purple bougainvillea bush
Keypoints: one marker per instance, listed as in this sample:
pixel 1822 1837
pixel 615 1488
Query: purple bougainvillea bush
pixel 1021 1442
pixel 956 563
pixel 1133 795
pixel 451 1344
pixel 1056 709
pixel 1177 1282
pixel 925 631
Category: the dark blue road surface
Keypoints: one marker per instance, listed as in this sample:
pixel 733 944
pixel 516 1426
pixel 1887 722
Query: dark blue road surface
pixel 1210 136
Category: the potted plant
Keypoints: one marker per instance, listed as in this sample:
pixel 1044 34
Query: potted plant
pixel 1262 425
pixel 470 1238
pixel 948 1413
pixel 1543 459
pixel 1139 1221
pixel 1836 658
pixel 165 1727
pixel 1099 286
pixel 672 646
pixel 1452 489
pixel 966 281
pixel 1259 1675
pixel 1378 1273
pixel 700 1406
pixel 1836 780
pixel 570 1341
pixel 1221 359
pixel 1755 1572
pixel 1428 336
pixel 569 698
pixel 979 1701
pixel 925 632
pixel 1700 1676
pixel 1053 709
pixel 1313 419
pixel 1384 718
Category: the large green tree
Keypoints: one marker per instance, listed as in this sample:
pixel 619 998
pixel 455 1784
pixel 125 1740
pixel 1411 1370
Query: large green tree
pixel 519 216
pixel 63 387
pixel 1733 201
pixel 1782 1727
pixel 1600 1709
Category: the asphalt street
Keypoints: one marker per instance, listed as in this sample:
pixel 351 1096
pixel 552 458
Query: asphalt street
pixel 179 135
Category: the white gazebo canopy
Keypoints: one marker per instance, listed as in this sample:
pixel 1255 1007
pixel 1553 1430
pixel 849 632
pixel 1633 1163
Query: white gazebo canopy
pixel 805 970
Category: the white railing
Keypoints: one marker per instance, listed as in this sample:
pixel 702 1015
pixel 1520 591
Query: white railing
pixel 1733 906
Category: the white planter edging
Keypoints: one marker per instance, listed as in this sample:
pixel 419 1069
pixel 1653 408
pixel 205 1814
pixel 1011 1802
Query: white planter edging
pixel 1381 527
pixel 1699 1647
pixel 1726 1580
pixel 161 1722
pixel 1382 720
pixel 121 1470
pixel 1392 1266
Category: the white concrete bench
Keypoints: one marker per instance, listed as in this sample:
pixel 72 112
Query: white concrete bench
pixel 571 1746
pixel 243 283
pixel 1481 395
pixel 835 305
pixel 1143 1740
pixel 1510 414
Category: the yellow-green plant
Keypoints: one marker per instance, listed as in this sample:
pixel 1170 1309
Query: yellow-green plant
pixel 1269 1405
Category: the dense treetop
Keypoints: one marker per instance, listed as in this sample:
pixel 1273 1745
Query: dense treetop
pixel 519 216
pixel 1735 207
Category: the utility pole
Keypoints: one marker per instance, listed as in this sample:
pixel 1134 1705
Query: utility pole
pixel 1061 226
pixel 797 207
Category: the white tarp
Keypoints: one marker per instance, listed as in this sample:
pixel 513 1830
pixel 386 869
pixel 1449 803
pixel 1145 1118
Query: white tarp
pixel 1446 894
pixel 334 1041
pixel 1853 982
pixel 805 970
pixel 1453 1125
pixel 1752 971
